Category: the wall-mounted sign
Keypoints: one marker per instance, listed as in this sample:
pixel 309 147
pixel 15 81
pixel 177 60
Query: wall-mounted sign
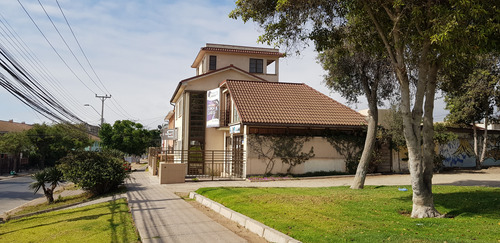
pixel 234 129
pixel 171 134
pixel 213 108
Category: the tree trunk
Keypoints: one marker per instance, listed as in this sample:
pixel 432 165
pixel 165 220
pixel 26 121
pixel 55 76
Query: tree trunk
pixel 476 153
pixel 423 201
pixel 485 142
pixel 366 156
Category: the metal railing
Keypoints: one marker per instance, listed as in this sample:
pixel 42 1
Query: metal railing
pixel 208 164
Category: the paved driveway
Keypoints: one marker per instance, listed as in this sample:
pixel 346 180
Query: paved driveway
pixel 485 177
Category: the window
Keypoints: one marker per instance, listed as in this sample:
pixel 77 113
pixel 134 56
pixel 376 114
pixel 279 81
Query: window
pixel 256 65
pixel 178 108
pixel 213 63
pixel 236 116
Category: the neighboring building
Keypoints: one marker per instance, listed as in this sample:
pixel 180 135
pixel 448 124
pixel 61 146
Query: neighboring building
pixel 11 126
pixel 458 153
pixel 168 133
pixel 235 94
pixel 6 160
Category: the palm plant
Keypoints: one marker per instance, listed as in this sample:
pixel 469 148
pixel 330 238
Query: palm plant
pixel 51 176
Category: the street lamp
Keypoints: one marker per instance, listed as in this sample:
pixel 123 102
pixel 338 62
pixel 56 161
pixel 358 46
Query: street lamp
pixel 95 111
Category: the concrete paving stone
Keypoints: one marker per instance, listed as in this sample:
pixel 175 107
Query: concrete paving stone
pixel 207 202
pixel 255 226
pixel 162 216
pixel 239 218
pixel 216 206
pixel 273 235
pixel 226 212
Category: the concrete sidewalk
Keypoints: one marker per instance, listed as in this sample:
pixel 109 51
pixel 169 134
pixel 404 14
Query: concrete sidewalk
pixel 162 216
pixel 485 177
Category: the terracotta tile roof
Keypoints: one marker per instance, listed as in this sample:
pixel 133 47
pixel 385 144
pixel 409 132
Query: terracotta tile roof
pixel 212 73
pixel 11 126
pixel 289 104
pixel 255 52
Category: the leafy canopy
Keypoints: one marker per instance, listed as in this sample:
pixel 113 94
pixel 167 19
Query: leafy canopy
pixel 127 136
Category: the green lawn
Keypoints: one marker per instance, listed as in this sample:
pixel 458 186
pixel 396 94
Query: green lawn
pixel 104 222
pixel 374 214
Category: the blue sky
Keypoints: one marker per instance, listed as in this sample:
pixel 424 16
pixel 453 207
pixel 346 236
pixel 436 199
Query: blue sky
pixel 140 50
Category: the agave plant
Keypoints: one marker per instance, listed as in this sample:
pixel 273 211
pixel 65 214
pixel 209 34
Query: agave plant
pixel 47 179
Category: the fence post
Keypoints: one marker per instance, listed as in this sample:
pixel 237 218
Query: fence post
pixel 212 165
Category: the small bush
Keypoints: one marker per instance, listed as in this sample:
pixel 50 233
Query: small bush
pixel 95 172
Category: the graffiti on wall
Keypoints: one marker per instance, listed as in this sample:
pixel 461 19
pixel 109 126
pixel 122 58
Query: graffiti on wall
pixel 460 153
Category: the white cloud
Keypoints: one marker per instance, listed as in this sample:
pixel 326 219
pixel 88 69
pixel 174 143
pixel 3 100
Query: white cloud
pixel 140 49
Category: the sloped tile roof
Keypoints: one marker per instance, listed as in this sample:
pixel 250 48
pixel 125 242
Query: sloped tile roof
pixel 289 104
pixel 10 126
pixel 231 50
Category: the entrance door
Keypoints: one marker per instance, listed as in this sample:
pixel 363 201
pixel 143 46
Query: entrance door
pixel 237 152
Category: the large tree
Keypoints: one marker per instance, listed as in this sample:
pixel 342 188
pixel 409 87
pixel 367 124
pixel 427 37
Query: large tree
pixel 357 67
pixel 127 136
pixel 474 98
pixel 15 143
pixel 52 142
pixel 418 37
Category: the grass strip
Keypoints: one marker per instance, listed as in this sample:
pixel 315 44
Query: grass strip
pixel 374 214
pixel 104 222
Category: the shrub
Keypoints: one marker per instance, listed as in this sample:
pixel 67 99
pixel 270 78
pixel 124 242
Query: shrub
pixel 51 176
pixel 95 172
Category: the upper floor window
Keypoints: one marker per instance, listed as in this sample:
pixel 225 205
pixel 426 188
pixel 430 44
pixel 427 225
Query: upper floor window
pixel 212 65
pixel 236 116
pixel 256 65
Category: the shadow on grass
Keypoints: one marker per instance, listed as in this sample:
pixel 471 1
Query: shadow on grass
pixel 484 203
pixel 113 206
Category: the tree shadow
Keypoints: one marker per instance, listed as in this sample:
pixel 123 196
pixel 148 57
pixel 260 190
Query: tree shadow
pixel 467 203
pixel 470 203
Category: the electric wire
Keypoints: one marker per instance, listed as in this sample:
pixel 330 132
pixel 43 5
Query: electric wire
pixel 117 105
pixel 69 48
pixel 54 49
pixel 33 93
pixel 34 62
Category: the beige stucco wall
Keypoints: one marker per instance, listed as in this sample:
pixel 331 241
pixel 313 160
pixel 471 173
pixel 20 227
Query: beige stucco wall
pixel 214 139
pixel 326 159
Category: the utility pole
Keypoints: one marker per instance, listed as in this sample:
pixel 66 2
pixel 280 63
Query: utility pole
pixel 103 98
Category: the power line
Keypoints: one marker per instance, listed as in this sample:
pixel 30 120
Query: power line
pixel 23 49
pixel 69 48
pixel 90 65
pixel 53 48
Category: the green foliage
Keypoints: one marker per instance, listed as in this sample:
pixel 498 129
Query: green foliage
pixel 51 176
pixel 286 147
pixel 95 172
pixel 474 95
pixel 103 222
pixel 349 145
pixel 127 136
pixel 289 149
pixel 15 143
pixel 51 143
pixel 375 214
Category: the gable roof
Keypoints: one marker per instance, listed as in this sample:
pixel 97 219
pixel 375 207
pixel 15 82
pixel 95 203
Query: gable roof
pixel 230 67
pixel 289 104
pixel 11 126
pixel 233 49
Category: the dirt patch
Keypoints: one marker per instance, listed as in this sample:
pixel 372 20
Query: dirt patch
pixel 229 224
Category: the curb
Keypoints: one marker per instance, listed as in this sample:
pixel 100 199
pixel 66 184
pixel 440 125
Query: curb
pixel 250 224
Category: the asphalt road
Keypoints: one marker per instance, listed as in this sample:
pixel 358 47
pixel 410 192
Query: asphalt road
pixel 14 192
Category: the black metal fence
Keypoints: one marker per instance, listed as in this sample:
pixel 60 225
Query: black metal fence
pixel 208 164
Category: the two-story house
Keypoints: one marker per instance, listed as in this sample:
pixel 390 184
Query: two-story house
pixel 235 94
